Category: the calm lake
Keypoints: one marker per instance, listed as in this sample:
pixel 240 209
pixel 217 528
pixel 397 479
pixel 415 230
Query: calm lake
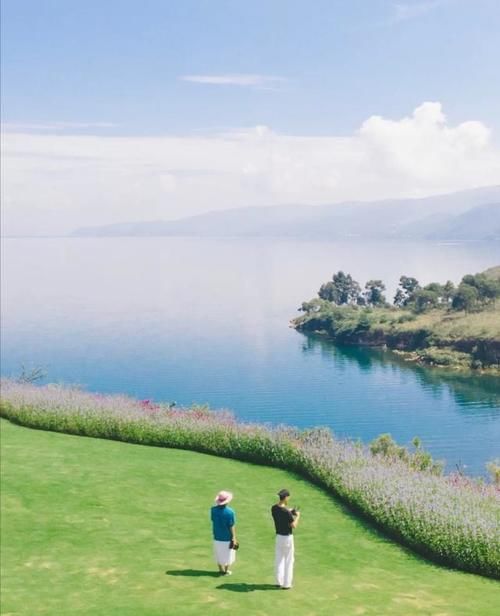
pixel 207 321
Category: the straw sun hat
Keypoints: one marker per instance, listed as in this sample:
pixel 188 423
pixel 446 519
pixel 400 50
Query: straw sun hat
pixel 223 498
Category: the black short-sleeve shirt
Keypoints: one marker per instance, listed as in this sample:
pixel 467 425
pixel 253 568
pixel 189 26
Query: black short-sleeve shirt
pixel 283 519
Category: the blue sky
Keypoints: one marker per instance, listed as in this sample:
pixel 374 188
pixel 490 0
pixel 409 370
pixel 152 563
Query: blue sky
pixel 116 110
pixel 120 62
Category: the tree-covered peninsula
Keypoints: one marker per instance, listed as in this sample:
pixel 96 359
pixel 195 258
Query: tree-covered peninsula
pixel 439 324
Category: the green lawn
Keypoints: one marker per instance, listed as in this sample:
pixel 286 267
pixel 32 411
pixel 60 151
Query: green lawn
pixel 99 527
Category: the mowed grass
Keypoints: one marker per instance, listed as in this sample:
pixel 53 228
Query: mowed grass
pixel 99 527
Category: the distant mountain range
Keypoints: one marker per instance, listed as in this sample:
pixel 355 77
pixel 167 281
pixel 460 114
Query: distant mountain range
pixel 467 215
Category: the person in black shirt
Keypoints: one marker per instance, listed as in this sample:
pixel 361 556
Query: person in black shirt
pixel 285 520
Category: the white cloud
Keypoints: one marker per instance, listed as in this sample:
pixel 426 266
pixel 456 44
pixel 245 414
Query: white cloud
pixel 237 79
pixel 53 183
pixel 404 11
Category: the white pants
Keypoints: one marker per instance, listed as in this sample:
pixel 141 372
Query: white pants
pixel 283 566
pixel 223 555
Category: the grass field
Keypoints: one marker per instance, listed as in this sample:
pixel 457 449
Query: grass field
pixel 99 527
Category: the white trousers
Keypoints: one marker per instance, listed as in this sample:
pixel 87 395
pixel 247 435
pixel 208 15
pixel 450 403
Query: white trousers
pixel 285 556
pixel 223 555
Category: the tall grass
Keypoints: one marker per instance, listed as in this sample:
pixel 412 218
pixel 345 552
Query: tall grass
pixel 450 519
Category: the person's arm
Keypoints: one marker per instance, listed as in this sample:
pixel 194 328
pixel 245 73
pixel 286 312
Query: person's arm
pixel 232 527
pixel 295 521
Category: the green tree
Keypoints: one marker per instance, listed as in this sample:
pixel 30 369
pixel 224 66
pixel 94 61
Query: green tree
pixel 374 293
pixel 424 299
pixel 488 289
pixel 328 292
pixel 448 291
pixel 435 287
pixel 405 292
pixel 465 298
pixel 399 298
pixel 341 290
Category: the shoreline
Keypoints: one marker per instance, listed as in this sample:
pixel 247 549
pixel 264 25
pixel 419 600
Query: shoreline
pixel 435 325
pixel 465 341
pixel 428 357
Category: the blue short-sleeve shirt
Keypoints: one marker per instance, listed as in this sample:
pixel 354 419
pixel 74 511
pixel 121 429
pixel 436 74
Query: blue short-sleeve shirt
pixel 223 518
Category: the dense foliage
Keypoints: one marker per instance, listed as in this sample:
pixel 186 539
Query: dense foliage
pixel 473 293
pixel 445 325
pixel 451 519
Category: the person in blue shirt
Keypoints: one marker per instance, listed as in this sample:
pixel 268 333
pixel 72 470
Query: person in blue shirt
pixel 224 531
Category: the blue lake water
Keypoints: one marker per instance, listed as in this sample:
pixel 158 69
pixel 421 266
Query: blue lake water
pixel 207 321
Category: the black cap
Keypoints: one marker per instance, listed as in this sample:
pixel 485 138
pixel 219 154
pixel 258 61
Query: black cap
pixel 283 494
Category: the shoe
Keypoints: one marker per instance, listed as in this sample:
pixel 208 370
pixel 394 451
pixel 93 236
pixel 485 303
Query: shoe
pixel 228 573
pixel 286 587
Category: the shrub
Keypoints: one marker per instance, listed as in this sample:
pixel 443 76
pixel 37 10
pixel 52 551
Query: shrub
pixel 494 470
pixel 451 519
pixel 444 357
pixel 385 446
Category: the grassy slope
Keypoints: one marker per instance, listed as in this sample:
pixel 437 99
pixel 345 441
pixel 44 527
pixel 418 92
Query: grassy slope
pixel 493 272
pixel 456 325
pixel 445 325
pixel 92 526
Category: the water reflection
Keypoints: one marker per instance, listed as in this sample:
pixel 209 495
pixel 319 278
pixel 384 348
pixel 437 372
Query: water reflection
pixel 470 391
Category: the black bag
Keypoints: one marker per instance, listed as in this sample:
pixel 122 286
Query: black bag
pixel 234 545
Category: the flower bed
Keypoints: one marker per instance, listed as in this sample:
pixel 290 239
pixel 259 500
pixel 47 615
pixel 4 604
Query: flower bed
pixel 452 520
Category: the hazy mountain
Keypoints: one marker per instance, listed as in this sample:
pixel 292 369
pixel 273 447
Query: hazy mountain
pixel 468 215
pixel 479 223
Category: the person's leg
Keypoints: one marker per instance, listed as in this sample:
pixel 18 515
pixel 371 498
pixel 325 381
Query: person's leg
pixel 219 555
pixel 229 560
pixel 289 558
pixel 279 561
pixel 216 556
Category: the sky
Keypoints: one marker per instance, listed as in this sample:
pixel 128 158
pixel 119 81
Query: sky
pixel 123 110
